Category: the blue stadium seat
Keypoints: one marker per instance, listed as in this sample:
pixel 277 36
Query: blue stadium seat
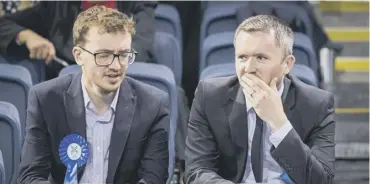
pixel 217 48
pixel 35 67
pixel 167 19
pixel 10 140
pixel 2 169
pixel 168 52
pixel 161 77
pixel 15 82
pixel 304 52
pixel 70 70
pixel 302 72
pixel 305 74
pixel 220 17
pixel 218 70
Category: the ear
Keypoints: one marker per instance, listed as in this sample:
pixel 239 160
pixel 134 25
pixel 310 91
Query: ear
pixel 77 54
pixel 288 64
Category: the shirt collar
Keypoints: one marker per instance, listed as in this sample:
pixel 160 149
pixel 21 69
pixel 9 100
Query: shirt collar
pixel 87 99
pixel 280 92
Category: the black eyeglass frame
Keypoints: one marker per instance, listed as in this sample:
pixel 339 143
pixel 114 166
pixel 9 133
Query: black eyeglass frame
pixel 114 56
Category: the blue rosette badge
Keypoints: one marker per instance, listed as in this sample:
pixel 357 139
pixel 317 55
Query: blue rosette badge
pixel 73 152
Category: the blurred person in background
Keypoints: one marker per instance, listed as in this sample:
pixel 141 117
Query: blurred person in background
pixel 9 7
pixel 46 30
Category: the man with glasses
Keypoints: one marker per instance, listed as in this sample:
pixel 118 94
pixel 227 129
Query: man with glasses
pixel 124 121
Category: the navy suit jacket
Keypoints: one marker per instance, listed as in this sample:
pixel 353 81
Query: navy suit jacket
pixel 139 139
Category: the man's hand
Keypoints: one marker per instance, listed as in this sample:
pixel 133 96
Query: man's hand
pixel 39 47
pixel 265 100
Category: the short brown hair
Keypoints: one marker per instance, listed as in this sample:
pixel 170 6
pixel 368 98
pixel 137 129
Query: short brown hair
pixel 107 19
pixel 266 23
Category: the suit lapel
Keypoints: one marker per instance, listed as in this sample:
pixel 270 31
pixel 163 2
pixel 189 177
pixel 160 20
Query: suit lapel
pixel 238 120
pixel 122 124
pixel 288 98
pixel 75 110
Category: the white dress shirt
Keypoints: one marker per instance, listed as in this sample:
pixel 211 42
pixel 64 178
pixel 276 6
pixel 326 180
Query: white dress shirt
pixel 98 133
pixel 271 169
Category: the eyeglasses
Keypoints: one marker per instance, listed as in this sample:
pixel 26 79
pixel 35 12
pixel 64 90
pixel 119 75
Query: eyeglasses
pixel 107 58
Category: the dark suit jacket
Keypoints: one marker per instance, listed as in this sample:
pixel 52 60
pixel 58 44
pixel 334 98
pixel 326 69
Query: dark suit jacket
pixel 139 140
pixel 54 21
pixel 217 143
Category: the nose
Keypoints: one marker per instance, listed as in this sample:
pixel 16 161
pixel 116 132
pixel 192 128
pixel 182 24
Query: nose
pixel 250 66
pixel 115 65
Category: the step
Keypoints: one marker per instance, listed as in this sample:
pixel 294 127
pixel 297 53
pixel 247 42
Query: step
pixel 359 117
pixel 344 6
pixel 348 34
pixel 343 63
pixel 355 49
pixel 357 77
pixel 347 19
pixel 351 171
pixel 352 131
pixel 352 150
pixel 352 98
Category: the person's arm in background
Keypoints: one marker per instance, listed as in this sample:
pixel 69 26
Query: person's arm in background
pixel 26 27
pixel 143 41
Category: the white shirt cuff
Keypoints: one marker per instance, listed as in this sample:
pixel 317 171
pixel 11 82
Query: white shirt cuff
pixel 279 135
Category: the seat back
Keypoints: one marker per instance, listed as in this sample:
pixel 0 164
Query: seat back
pixel 291 13
pixel 221 17
pixel 70 70
pixel 35 67
pixel 217 48
pixel 305 74
pixel 10 140
pixel 219 70
pixel 302 72
pixel 167 19
pixel 217 18
pixel 168 52
pixel 2 169
pixel 304 52
pixel 15 82
pixel 161 77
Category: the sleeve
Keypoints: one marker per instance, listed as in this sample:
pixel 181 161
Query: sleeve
pixel 201 152
pixel 10 25
pixel 312 162
pixel 278 136
pixel 154 164
pixel 35 166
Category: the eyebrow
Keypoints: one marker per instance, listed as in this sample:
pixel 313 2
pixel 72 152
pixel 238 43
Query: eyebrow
pixel 260 54
pixel 111 51
pixel 254 54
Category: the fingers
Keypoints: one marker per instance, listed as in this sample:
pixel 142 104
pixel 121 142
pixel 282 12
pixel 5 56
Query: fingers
pixel 42 52
pixel 252 84
pixel 51 54
pixel 273 84
pixel 45 52
pixel 256 81
pixel 250 99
